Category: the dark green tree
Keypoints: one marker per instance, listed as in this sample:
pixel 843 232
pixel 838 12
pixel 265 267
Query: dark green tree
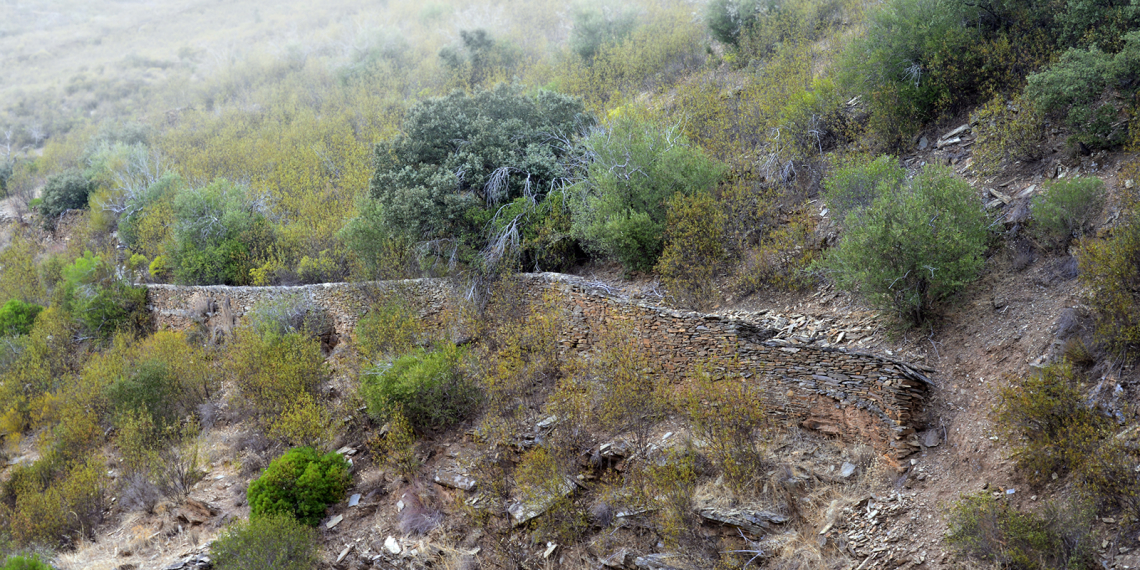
pixel 65 191
pixel 461 158
pixel 598 27
pixel 728 20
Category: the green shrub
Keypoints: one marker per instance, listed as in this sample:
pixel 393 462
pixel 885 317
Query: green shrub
pixel 276 542
pixel 429 387
pixel 989 529
pixel 427 188
pixel 854 188
pixel 25 563
pixel 151 388
pixel 922 59
pixel 1109 274
pixel 1065 208
pixel 1077 78
pixel 65 191
pixel 815 120
pixel 220 234
pixel 619 209
pixel 379 252
pixel 1052 429
pixel 914 246
pixel 301 484
pixel 17 317
pixel 729 19
pixel 1074 88
pixel 102 300
pixel 1007 131
pixel 390 328
pixel 694 248
pixel 152 385
pixel 1085 23
pixel 136 207
pixel 272 371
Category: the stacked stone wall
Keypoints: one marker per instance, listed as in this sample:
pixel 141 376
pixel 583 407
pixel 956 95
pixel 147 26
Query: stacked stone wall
pixel 830 389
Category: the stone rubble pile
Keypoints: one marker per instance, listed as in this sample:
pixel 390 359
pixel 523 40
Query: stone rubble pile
pixel 873 531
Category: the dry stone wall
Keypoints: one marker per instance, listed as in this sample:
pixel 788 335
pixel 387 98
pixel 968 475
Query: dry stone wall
pixel 831 389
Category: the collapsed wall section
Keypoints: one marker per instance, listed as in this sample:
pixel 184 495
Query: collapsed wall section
pixel 832 390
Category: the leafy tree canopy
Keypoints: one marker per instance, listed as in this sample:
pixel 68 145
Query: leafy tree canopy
pixel 462 156
pixel 634 169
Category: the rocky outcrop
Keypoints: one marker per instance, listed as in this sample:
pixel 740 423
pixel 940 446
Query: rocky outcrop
pixel 805 379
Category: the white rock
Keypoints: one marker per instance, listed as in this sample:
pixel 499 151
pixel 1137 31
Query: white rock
pixel 344 553
pixel 392 545
pixel 847 470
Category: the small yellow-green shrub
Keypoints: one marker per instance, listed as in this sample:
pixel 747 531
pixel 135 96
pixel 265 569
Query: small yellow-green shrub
pixel 430 388
pixel 783 259
pixel 269 541
pixel 1007 131
pixel 397 447
pixel 1065 208
pixel 57 511
pixel 1057 432
pixel 541 479
pixel 305 422
pixel 390 328
pixel 694 248
pixel 521 364
pixel 1046 415
pixel 989 529
pixel 272 371
pixel 730 417
pixel 1108 271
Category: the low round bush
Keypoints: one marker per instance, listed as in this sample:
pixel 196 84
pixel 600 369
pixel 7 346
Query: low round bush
pixel 429 388
pixel 276 542
pixel 301 483
pixel 1066 209
pixel 62 192
pixel 16 317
